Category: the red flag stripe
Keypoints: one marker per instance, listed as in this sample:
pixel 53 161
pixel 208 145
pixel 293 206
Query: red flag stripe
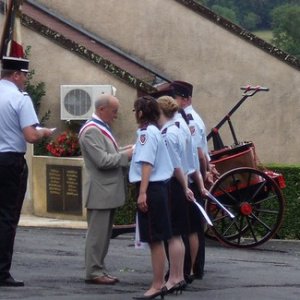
pixel 11 44
pixel 7 29
pixel 16 48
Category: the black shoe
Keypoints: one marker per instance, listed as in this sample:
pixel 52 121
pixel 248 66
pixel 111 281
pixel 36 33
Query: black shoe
pixel 182 285
pixel 189 278
pixel 176 288
pixel 153 296
pixel 198 276
pixel 11 282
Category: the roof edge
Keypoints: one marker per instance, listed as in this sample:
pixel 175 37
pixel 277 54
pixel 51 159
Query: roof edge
pixel 242 33
pixel 98 39
pixel 87 54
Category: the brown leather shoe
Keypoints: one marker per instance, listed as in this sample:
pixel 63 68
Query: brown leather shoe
pixel 112 277
pixel 101 280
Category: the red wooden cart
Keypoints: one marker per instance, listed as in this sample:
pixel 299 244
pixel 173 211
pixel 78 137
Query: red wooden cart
pixel 245 188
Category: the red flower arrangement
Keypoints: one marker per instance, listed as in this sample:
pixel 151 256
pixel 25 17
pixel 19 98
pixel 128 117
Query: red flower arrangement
pixel 65 145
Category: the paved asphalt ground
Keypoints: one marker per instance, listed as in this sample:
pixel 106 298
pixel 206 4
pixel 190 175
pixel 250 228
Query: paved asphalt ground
pixel 51 262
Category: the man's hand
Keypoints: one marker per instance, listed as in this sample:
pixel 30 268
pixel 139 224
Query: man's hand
pixel 211 176
pixel 213 170
pixel 128 150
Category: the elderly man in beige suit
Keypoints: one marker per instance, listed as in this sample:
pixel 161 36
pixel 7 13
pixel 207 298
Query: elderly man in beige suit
pixel 104 164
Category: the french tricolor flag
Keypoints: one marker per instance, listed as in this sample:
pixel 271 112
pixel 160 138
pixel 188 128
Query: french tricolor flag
pixel 11 41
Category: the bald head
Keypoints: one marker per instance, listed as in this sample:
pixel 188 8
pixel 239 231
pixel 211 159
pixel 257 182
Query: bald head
pixel 106 108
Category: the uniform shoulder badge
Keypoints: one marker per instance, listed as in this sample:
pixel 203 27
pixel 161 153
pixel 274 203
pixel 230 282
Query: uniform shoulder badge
pixel 143 138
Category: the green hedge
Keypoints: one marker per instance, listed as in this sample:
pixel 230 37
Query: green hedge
pixel 290 228
pixel 126 214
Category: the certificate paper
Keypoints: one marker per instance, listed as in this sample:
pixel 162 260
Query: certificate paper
pixel 205 215
pixel 211 197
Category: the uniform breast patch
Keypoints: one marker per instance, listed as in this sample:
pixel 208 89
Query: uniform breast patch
pixel 192 129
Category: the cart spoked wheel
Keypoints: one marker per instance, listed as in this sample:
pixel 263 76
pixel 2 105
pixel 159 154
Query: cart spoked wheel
pixel 257 203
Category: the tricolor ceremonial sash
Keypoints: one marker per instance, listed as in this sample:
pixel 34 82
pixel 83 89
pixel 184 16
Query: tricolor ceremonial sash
pixel 102 127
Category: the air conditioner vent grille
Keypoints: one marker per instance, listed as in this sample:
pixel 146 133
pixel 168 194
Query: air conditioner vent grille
pixel 77 102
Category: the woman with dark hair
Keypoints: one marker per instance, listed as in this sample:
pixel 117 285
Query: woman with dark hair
pixel 151 170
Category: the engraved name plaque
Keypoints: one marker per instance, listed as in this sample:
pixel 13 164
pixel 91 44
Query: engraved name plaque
pixel 64 191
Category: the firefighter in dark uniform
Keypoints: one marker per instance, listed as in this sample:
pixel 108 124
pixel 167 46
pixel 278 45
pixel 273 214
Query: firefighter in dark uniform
pixel 18 120
pixel 183 93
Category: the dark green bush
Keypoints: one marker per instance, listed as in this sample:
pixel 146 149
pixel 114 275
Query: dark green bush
pixel 126 214
pixel 290 228
pixel 37 91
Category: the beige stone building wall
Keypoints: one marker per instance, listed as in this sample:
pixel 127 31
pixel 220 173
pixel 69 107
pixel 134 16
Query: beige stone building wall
pixel 56 66
pixel 186 46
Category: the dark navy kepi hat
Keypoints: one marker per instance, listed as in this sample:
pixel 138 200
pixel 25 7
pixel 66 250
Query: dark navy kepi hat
pixel 15 64
pixel 167 90
pixel 182 88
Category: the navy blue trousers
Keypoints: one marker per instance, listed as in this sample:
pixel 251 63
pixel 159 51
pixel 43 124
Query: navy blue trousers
pixel 13 183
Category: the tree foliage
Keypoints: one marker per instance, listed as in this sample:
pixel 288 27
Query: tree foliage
pixel 251 20
pixel 251 14
pixel 280 16
pixel 286 24
pixel 227 13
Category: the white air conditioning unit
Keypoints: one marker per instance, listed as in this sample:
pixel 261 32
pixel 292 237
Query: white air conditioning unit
pixel 77 101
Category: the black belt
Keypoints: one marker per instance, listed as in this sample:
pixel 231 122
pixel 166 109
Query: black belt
pixel 11 154
pixel 156 182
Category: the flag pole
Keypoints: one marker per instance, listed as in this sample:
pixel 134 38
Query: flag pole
pixel 6 29
pixel 7 34
pixel 16 47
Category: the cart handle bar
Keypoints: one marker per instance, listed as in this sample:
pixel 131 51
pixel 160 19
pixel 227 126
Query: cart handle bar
pixel 249 92
pixel 254 89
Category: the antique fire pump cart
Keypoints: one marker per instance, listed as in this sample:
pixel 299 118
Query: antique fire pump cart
pixel 248 204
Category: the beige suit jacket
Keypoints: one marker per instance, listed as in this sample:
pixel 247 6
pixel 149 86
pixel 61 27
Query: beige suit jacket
pixel 105 185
